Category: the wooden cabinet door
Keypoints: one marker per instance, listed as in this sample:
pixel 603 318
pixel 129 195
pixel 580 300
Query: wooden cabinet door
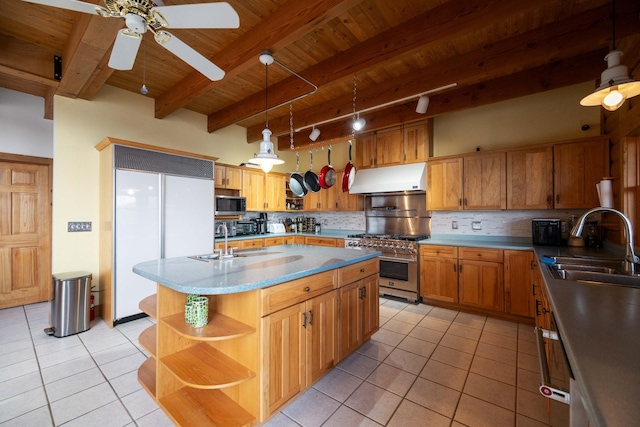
pixel 219 180
pixel 321 324
pixel 346 201
pixel 312 201
pixel 328 199
pixel 439 278
pixel 349 328
pixel 370 306
pixel 518 282
pixel 389 147
pixel 416 143
pixel 577 168
pixel 284 339
pixel 444 182
pixel 485 184
pixel 233 178
pixel 481 284
pixel 275 189
pixel 365 151
pixel 530 178
pixel 253 189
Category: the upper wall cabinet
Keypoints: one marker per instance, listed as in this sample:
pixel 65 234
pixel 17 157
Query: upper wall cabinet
pixel 577 168
pixel 264 192
pixel 393 146
pixel 228 177
pixel 530 178
pixel 471 182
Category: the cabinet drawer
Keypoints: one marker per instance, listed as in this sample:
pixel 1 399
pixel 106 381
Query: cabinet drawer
pixel 436 250
pixel 320 241
pixel 481 254
pixel 358 271
pixel 273 241
pixel 278 297
pixel 248 244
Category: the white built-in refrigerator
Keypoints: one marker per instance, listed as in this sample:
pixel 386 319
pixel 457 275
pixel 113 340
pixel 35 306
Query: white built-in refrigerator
pixel 157 215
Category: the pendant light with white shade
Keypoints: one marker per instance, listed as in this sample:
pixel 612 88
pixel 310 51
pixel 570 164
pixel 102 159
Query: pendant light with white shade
pixel 615 84
pixel 266 158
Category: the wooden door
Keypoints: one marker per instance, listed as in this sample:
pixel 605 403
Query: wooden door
pixel 439 278
pixel 349 329
pixel 233 177
pixel 577 168
pixel 485 185
pixel 312 201
pixel 444 184
pixel 275 188
pixel 389 147
pixel 284 338
pixel 321 335
pixel 481 284
pixel 518 282
pixel 530 179
pixel 253 189
pixel 365 153
pixel 25 233
pixel 416 143
pixel 370 306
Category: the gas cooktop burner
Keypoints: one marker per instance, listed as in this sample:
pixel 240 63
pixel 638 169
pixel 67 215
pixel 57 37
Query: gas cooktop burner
pixel 407 237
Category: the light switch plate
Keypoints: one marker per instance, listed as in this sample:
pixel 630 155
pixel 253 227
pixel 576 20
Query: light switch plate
pixel 454 225
pixel 79 226
pixel 476 225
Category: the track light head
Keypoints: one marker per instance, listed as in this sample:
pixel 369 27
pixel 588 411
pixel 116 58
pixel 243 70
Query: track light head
pixel 315 133
pixel 358 123
pixel 423 104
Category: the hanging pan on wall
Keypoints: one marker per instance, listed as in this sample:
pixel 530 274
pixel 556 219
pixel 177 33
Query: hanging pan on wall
pixel 296 181
pixel 349 173
pixel 311 180
pixel 328 173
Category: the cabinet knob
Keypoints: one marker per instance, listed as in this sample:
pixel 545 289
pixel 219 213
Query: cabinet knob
pixel 362 270
pixel 307 289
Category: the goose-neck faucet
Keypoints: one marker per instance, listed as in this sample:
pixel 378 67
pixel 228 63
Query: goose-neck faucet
pixel 630 258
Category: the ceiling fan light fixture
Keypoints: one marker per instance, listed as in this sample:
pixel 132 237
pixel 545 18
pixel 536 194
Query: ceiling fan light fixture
pixel 423 104
pixel 315 133
pixel 136 23
pixel 358 123
pixel 266 158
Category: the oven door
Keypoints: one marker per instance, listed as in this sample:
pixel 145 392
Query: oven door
pixel 398 273
pixel 555 372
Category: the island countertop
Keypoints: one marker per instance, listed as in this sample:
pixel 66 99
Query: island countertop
pixel 254 269
pixel 600 329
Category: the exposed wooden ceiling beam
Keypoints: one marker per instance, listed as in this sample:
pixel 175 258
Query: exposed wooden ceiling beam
pixel 534 80
pixel 90 41
pixel 445 23
pixel 285 25
pixel 530 49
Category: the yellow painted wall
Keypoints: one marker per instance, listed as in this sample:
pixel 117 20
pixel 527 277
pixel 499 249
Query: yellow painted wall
pixel 555 115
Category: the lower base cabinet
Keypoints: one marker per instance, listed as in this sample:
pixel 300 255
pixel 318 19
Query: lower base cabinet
pixel 259 349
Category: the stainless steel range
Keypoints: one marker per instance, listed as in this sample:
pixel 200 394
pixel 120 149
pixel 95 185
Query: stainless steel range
pixel 395 223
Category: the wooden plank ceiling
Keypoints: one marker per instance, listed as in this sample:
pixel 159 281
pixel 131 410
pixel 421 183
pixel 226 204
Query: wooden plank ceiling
pixel 492 49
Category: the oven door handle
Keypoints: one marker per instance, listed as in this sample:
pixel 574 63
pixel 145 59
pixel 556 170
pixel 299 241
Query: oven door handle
pixel 546 388
pixel 396 259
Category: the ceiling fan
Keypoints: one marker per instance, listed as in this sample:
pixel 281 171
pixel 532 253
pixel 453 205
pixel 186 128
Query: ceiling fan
pixel 143 15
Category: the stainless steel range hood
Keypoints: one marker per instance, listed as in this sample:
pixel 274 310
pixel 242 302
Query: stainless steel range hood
pixel 391 179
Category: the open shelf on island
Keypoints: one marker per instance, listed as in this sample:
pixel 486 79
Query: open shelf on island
pixel 147 339
pixel 219 370
pixel 147 376
pixel 196 407
pixel 149 306
pixel 219 327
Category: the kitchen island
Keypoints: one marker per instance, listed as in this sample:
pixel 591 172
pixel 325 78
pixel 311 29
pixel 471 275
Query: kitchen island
pixel 599 326
pixel 279 318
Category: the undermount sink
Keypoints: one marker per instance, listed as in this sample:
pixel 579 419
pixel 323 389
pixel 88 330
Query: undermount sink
pixel 591 270
pixel 237 254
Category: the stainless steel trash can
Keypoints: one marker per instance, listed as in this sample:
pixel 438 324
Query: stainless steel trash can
pixel 70 304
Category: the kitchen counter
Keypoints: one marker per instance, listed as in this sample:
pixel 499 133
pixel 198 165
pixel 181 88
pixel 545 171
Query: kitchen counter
pixel 257 268
pixel 600 329
pixel 494 242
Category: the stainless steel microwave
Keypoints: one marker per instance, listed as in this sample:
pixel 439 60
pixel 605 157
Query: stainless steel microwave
pixel 230 206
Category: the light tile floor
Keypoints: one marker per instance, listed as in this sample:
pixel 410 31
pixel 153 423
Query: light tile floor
pixel 426 366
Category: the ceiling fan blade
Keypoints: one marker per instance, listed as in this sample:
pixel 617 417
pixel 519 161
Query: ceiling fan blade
pixel 201 15
pixel 125 49
pixel 189 55
pixel 78 6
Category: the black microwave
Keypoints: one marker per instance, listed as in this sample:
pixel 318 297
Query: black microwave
pixel 230 206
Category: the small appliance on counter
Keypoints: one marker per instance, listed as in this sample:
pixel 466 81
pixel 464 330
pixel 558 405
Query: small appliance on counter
pixel 276 228
pixel 546 231
pixel 246 227
pixel 261 223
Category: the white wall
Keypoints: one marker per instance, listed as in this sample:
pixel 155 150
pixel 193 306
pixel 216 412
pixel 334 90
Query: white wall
pixel 23 129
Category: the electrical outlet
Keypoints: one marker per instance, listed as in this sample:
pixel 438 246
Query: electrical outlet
pixel 476 225
pixel 79 226
pixel 454 225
